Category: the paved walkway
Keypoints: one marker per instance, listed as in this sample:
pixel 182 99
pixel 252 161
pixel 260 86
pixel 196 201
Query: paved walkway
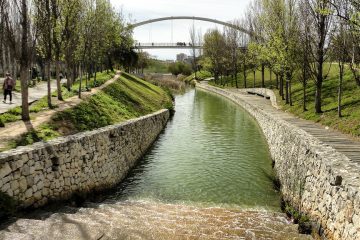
pixel 15 129
pixel 35 93
pixel 343 143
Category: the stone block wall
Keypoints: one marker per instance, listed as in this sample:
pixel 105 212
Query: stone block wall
pixel 315 178
pixel 93 160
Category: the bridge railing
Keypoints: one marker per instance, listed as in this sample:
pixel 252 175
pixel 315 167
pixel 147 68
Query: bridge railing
pixel 177 44
pixel 184 45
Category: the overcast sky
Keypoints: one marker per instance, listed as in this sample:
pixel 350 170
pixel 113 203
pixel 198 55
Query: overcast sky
pixel 160 32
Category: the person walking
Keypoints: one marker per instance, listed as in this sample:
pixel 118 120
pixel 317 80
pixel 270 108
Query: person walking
pixel 8 86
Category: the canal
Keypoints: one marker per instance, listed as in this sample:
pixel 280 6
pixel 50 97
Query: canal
pixel 208 176
pixel 212 153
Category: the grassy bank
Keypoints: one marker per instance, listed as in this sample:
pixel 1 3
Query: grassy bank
pixel 169 82
pixel 127 98
pixel 201 75
pixel 14 114
pixel 157 66
pixel 349 123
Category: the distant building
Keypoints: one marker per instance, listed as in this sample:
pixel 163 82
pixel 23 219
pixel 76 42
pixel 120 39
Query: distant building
pixel 181 57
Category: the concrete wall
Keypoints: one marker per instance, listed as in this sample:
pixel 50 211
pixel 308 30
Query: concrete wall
pixel 83 162
pixel 315 178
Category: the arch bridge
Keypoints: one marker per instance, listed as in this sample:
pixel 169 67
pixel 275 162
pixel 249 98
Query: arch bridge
pixel 186 45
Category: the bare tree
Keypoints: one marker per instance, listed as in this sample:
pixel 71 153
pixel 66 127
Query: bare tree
pixel 321 19
pixel 193 43
pixel 24 60
pixel 232 39
pixel 43 23
pixel 305 43
pixel 57 42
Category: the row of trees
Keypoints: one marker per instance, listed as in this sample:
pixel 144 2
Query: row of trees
pixel 290 37
pixel 177 68
pixel 82 35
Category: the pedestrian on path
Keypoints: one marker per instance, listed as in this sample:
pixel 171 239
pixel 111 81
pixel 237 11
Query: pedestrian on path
pixel 8 86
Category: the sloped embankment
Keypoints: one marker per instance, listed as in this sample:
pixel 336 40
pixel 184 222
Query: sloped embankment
pixel 100 153
pixel 128 97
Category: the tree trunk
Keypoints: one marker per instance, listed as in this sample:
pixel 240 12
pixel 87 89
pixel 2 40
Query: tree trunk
pixel 271 77
pixel 287 91
pixel 244 72
pixel 262 75
pixel 282 86
pixel 74 74
pixel 95 70
pixel 80 83
pixel 49 84
pixel 290 94
pixel 3 58
pixel 87 79
pixel 58 80
pixel 304 96
pixel 254 79
pixel 68 78
pixel 340 89
pixel 9 62
pixel 320 62
pixel 236 80
pixel 236 72
pixel 318 98
pixel 24 61
pixel 14 68
pixel 277 81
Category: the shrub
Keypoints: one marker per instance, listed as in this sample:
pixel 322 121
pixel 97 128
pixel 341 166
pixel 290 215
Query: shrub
pixel 180 68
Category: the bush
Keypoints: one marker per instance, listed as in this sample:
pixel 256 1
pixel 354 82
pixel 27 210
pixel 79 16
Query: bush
pixel 180 68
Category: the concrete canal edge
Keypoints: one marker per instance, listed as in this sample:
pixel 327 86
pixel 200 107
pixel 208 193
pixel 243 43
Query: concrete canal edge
pixel 89 161
pixel 315 179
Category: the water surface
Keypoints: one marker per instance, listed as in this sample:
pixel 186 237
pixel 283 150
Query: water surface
pixel 211 153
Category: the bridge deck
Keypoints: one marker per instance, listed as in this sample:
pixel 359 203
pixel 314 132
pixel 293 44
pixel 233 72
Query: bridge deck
pixel 180 45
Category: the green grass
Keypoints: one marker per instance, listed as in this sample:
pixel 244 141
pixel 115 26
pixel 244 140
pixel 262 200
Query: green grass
pixel 201 75
pixel 157 66
pixel 349 123
pixel 44 132
pixel 14 114
pixel 127 98
pixel 101 78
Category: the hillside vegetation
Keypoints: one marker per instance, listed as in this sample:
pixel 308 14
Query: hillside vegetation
pixel 128 97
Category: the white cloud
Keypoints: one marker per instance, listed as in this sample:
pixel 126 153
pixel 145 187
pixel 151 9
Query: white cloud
pixel 140 10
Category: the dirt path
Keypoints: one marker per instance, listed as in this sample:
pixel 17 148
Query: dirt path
pixel 13 130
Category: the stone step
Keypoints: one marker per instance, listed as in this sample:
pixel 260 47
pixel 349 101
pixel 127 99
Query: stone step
pixel 43 229
pixel 4 235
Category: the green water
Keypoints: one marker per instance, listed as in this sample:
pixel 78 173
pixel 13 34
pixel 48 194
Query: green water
pixel 212 152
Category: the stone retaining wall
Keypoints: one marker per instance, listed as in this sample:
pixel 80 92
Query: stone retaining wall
pixel 80 163
pixel 263 91
pixel 315 178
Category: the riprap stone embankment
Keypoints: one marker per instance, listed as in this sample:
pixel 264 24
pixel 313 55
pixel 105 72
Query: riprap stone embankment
pixel 315 178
